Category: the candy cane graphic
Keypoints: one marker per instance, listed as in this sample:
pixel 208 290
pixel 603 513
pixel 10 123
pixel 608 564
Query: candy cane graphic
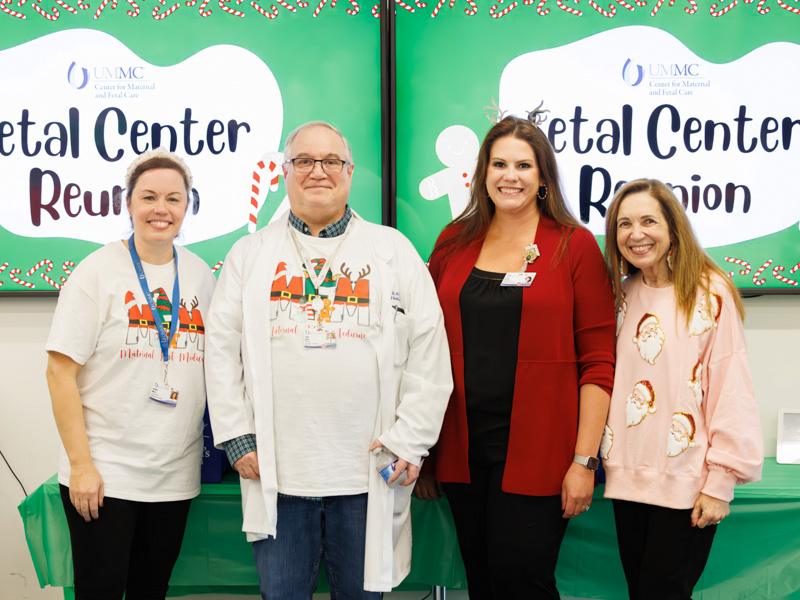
pixel 439 6
pixel 355 8
pixel 66 268
pixel 269 163
pixel 791 9
pixel 264 12
pixel 605 13
pixel 44 263
pixel 165 14
pixel 624 4
pixel 781 277
pixel 472 10
pixel 229 10
pixel 66 6
pixel 376 10
pixel 540 8
pixel 756 279
pixel 404 5
pixel 718 13
pixel 658 6
pixel 3 268
pixel 569 9
pixel 202 10
pixel 792 270
pixel 8 11
pixel 285 4
pixel 13 275
pixel 216 267
pixel 131 13
pixel 102 7
pixel 742 263
pixel 692 8
pixel 504 12
pixel 50 17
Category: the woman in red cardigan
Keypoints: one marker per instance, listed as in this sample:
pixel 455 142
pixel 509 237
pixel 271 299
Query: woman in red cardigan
pixel 530 319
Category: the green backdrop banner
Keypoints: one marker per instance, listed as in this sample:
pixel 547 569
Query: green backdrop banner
pixel 86 86
pixel 695 94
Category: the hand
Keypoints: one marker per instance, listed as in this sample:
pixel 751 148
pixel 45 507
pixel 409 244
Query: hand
pixel 247 466
pixel 86 490
pixel 427 488
pixel 709 511
pixel 576 490
pixel 412 471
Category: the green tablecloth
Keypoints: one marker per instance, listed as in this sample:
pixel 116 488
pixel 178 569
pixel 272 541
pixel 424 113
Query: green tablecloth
pixel 756 553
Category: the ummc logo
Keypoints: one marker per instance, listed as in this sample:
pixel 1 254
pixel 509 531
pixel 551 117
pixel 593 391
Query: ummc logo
pixel 78 77
pixel 632 74
pixel 117 73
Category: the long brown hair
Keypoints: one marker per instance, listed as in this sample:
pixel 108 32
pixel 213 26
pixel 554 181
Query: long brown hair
pixel 474 221
pixel 692 267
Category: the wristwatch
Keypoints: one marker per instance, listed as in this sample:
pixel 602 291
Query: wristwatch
pixel 590 462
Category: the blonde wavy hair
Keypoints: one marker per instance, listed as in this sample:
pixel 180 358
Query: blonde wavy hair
pixel 692 267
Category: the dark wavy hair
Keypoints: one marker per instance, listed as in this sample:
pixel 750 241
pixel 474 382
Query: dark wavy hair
pixel 474 221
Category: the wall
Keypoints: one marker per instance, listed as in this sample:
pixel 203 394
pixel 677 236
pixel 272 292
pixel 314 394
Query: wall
pixel 29 440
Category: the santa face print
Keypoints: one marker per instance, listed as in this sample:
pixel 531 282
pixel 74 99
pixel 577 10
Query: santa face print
pixel 621 310
pixel 704 316
pixel 606 443
pixel 681 434
pixel 649 338
pixel 640 402
pixel 643 236
pixel 695 382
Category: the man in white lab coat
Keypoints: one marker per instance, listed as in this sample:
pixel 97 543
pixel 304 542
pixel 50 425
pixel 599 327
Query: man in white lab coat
pixel 325 341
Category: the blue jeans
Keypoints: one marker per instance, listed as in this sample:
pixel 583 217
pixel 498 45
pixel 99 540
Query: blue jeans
pixel 308 530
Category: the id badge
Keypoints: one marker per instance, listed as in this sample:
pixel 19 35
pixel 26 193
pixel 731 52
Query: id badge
pixel 164 394
pixel 319 338
pixel 518 279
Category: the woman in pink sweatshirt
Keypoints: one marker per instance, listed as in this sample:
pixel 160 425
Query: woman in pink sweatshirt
pixel 683 426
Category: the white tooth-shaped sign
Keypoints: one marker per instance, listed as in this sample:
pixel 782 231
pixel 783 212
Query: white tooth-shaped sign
pixel 635 102
pixel 77 106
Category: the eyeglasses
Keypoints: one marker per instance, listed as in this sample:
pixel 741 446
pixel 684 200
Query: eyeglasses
pixel 329 165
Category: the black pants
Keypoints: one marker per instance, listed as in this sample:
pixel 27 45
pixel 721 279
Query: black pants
pixel 509 542
pixel 129 550
pixel 662 555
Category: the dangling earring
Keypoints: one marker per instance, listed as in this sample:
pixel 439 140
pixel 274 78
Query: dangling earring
pixel 540 195
pixel 622 272
pixel 669 257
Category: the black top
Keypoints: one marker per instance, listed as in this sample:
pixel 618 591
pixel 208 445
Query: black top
pixel 490 322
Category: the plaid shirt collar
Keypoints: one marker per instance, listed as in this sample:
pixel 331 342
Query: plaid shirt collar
pixel 333 230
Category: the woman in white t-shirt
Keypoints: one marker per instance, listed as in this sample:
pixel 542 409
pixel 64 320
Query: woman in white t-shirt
pixel 125 372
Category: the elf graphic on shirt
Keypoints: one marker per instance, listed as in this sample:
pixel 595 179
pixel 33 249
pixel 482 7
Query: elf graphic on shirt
pixel 352 295
pixel 640 403
pixel 142 325
pixel 649 338
pixel 705 317
pixel 606 443
pixel 695 382
pixel 681 434
pixel 287 293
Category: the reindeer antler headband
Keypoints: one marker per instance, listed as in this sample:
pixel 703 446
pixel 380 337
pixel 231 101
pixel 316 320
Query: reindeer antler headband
pixel 536 116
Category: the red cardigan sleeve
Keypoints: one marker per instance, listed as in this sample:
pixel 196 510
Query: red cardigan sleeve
pixel 593 317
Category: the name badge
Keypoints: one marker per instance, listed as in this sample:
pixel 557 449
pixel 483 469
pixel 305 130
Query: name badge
pixel 319 338
pixel 518 279
pixel 164 394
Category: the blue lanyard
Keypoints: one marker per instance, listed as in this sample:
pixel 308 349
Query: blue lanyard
pixel 176 297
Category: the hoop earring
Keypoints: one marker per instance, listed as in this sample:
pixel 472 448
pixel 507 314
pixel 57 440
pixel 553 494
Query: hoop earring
pixel 539 194
pixel 669 257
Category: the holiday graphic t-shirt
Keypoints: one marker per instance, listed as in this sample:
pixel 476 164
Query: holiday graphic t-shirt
pixel 325 398
pixel 144 450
